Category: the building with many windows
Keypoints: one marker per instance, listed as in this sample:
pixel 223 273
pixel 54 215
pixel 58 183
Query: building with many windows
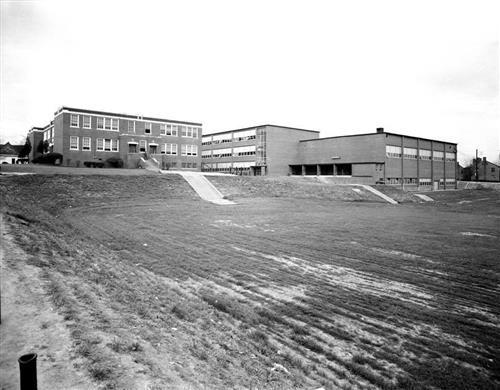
pixel 259 150
pixel 85 137
pixel 378 157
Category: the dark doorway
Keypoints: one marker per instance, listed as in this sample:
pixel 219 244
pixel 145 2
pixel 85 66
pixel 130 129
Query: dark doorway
pixel 326 169
pixel 311 169
pixel 344 169
pixel 295 169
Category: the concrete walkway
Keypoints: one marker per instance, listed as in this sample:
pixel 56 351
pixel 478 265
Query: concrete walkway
pixel 378 193
pixel 203 187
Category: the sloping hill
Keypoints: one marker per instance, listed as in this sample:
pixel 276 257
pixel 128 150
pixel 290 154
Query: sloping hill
pixel 288 187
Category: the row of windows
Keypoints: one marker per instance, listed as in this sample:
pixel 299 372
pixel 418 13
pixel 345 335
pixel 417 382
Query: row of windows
pixel 112 124
pixel 112 145
pixel 414 180
pixel 412 154
pixel 227 140
pixel 229 137
pixel 101 144
pixel 228 154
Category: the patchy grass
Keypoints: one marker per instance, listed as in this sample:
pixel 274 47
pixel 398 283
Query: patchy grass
pixel 289 291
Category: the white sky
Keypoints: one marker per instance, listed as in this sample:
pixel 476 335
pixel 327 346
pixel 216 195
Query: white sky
pixel 421 68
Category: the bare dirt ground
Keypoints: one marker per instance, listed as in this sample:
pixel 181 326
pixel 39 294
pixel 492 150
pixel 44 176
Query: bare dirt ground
pixel 158 289
pixel 31 323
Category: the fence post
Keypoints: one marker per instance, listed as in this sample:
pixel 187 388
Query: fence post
pixel 27 368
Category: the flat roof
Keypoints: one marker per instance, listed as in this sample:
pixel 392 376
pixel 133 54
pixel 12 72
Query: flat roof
pixel 255 127
pixel 365 134
pixel 137 117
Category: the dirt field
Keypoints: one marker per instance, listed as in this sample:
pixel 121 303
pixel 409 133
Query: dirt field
pixel 157 289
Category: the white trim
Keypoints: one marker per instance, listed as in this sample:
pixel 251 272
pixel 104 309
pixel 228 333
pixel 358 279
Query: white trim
pixel 153 144
pixel 90 121
pixel 132 143
pixel 77 142
pixel 128 119
pixel 77 120
pixel 90 144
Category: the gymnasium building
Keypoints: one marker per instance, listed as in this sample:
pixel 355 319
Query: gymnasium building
pixel 379 157
pixel 87 138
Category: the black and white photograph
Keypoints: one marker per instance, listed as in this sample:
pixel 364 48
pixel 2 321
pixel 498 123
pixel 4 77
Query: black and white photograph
pixel 249 195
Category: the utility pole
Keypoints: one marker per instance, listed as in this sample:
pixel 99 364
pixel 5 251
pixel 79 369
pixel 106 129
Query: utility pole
pixel 477 178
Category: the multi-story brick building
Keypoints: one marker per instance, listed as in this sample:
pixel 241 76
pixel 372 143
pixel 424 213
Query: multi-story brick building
pixel 380 158
pixel 366 158
pixel 85 137
pixel 259 150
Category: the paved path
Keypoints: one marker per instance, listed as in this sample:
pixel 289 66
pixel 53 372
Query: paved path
pixel 378 193
pixel 203 187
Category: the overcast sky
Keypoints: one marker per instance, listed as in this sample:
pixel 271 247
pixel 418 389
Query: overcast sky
pixel 421 68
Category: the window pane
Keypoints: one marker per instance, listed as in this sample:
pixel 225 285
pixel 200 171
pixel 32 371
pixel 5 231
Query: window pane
pixel 74 120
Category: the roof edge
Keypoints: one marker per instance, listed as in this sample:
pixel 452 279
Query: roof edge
pixel 256 127
pixel 378 134
pixel 137 117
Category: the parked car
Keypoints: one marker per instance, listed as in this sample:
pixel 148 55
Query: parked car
pixel 49 158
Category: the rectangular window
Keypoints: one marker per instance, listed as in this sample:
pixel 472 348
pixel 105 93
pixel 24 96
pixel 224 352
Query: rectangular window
pixel 107 145
pixel 438 156
pixel 195 133
pixel 114 124
pixel 86 122
pixel 393 151
pixel 107 123
pixel 132 148
pixel 86 143
pixel 100 123
pixel 131 126
pixel 183 130
pixel 163 129
pixel 244 151
pixel 142 145
pixel 450 157
pixel 424 154
pixel 73 143
pixel 147 127
pixel 175 130
pixel 222 152
pixel 74 120
pixel 169 149
pixel 189 150
pixel 410 153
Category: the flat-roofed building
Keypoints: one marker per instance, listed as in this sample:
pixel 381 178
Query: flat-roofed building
pixel 380 157
pixel 258 150
pixel 85 137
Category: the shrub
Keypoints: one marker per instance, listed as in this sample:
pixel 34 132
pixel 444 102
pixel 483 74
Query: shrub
pixel 49 158
pixel 115 162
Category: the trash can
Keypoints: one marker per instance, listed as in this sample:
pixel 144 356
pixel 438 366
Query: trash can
pixel 27 368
